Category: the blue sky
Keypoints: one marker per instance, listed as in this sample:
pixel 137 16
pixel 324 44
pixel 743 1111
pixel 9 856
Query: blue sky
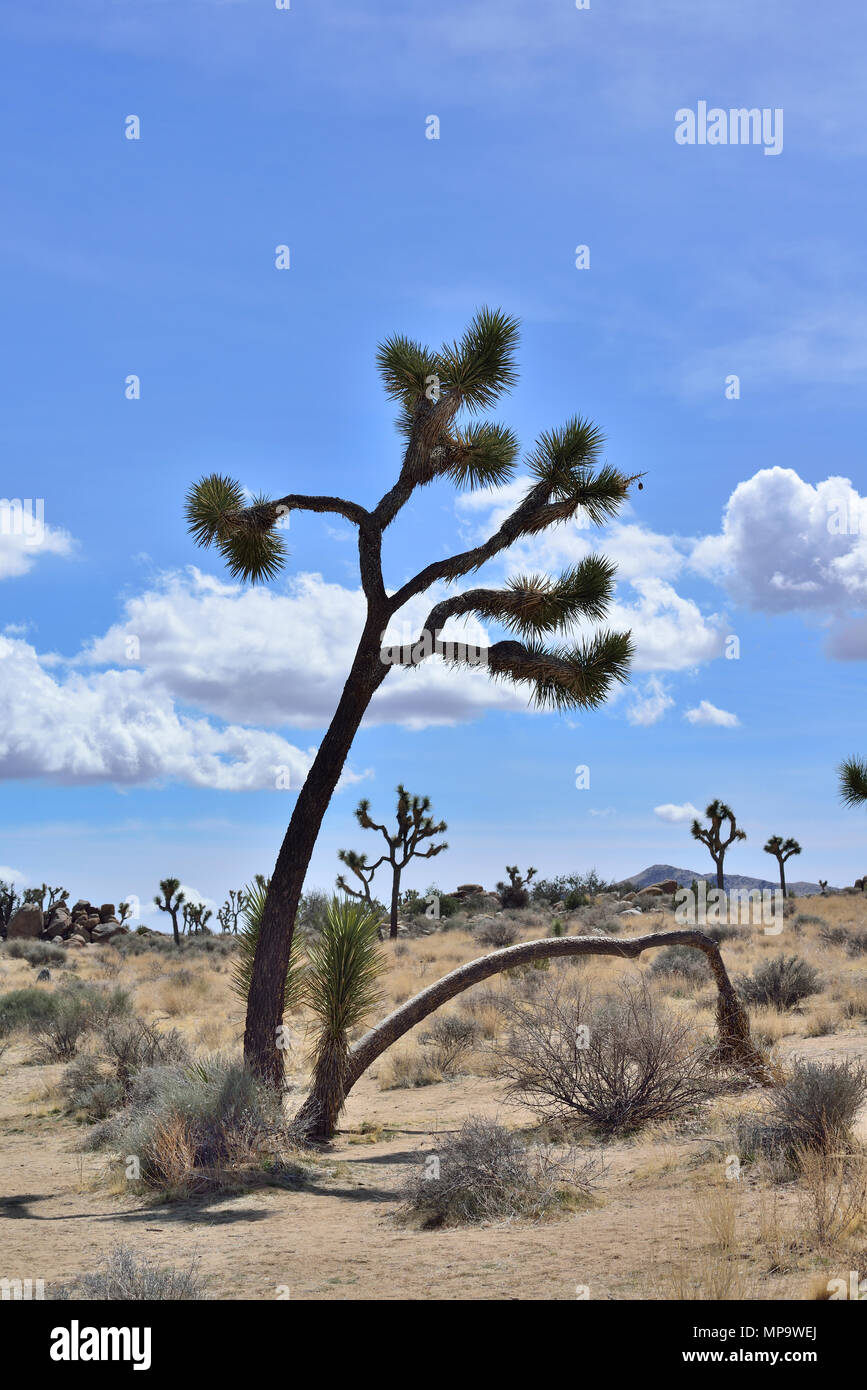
pixel 155 257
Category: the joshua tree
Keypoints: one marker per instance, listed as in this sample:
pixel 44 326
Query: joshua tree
pixel 711 835
pixel 434 390
pixel 414 826
pixel 514 893
pixel 231 910
pixel 38 895
pixel 9 903
pixel 341 988
pixel 823 886
pixel 782 850
pixel 196 917
pixel 124 910
pixel 170 888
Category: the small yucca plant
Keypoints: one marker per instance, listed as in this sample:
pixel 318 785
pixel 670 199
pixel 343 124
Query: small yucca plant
pixel 242 971
pixel 341 987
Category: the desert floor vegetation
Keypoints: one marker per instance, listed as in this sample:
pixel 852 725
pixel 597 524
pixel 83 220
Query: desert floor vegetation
pixel 629 1167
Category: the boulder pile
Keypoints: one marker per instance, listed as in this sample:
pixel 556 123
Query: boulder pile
pixel 76 926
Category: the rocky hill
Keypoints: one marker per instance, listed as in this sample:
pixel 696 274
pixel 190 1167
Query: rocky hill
pixel 657 873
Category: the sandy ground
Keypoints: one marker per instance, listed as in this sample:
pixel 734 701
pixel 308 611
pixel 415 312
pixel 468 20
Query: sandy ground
pixel 337 1238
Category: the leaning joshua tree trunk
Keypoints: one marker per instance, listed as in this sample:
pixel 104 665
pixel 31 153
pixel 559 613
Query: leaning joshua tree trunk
pixel 567 480
pixel 734 1045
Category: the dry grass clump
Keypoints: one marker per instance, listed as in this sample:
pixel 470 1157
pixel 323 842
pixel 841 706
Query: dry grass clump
pixel 126 1276
pixel 486 1173
pixel 193 1127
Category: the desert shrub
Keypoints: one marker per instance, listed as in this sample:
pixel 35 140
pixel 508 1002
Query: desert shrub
pixel 408 1068
pixel 854 942
pixel 555 890
pixel 814 1109
pixel 683 961
pixel 128 1045
pixel 141 942
pixel 448 906
pixel 181 1121
pixel 819 1102
pixel 126 1276
pixel 575 899
pixel 486 1173
pixel 833 1194
pixel 57 1036
pixel 89 1090
pixel 721 931
pixel 450 1038
pixel 496 931
pixel 615 1064
pixel 780 982
pixel 312 912
pixel 23 1008
pixel 36 952
pixel 809 919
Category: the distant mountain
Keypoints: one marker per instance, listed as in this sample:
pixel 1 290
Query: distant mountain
pixel 657 873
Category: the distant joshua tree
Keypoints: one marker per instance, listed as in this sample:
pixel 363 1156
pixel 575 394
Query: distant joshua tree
pixel 414 826
pixel 514 893
pixel 38 895
pixel 174 898
pixel 782 850
pixel 823 885
pixel 711 835
pixel 438 393
pixel 196 917
pixel 231 910
pixel 10 902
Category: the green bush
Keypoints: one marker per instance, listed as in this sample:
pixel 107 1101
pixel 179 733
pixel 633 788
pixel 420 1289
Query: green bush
pixel 36 952
pixel 22 1008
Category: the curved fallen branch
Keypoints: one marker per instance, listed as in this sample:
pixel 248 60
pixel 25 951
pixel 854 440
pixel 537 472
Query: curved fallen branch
pixel 734 1045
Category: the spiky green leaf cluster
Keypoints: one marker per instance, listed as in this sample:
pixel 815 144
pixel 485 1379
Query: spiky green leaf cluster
pixel 567 677
pixel 248 937
pixel 853 781
pixel 345 965
pixel 537 603
pixel 481 366
pixel 482 455
pixel 218 514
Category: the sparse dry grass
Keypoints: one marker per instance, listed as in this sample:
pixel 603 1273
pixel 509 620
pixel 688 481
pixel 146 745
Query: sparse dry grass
pixel 757 1238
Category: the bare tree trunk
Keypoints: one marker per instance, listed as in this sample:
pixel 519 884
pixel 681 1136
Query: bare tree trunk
pixel 783 877
pixel 734 1044
pixel 265 998
pixel 395 897
pixel 720 876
